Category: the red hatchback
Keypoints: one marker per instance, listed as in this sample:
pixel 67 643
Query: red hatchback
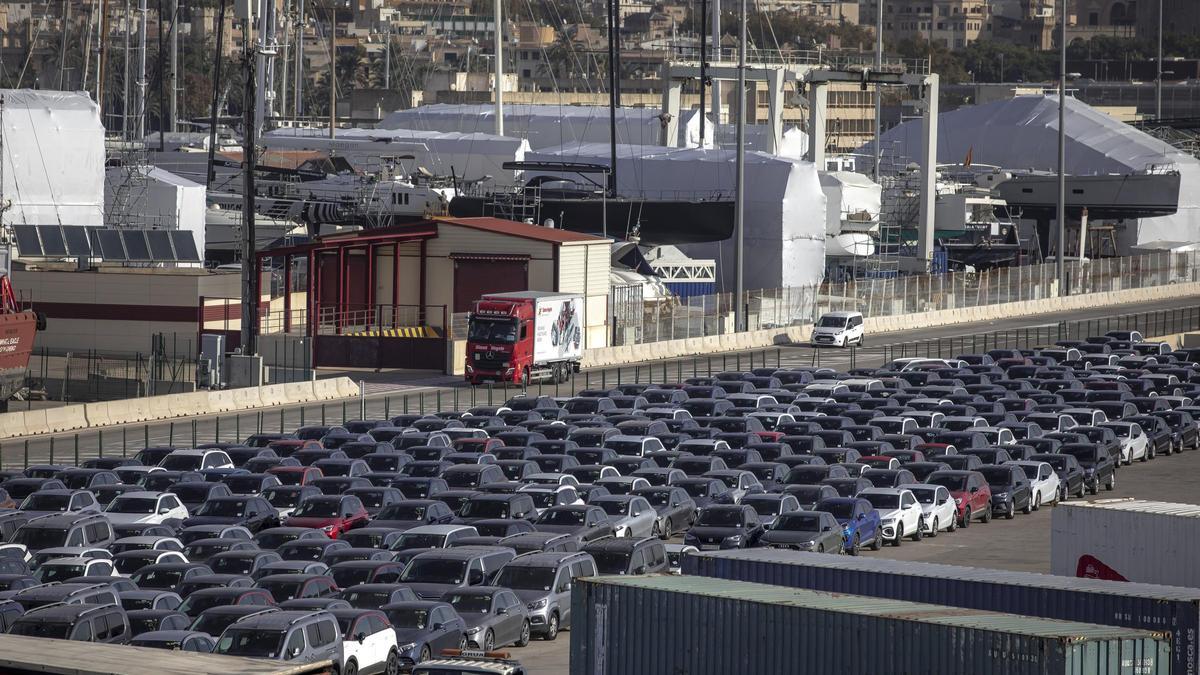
pixel 971 493
pixel 769 436
pixel 332 514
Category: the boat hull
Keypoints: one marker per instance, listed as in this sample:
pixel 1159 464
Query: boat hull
pixel 17 331
pixel 658 222
pixel 1117 196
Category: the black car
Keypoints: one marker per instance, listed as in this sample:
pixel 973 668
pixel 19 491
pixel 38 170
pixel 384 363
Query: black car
pixel 1162 441
pixel 1070 473
pixel 1010 489
pixel 1098 465
pixel 1183 428
pixel 725 527
pixel 253 513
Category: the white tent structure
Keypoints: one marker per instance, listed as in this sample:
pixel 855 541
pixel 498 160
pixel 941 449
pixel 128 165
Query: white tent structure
pixel 852 208
pixel 53 158
pixel 546 125
pixel 785 206
pixel 157 199
pixel 1022 133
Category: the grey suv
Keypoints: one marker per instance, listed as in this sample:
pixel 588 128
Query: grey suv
pixel 543 582
pixel 287 635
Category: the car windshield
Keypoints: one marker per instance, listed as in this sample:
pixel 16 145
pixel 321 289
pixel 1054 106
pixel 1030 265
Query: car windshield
pixel 133 505
pixel 953 483
pixel 129 565
pixel 658 497
pixel 283 499
pixel 611 562
pixel 625 447
pixel 40 501
pixel 408 618
pixel 764 507
pixel 696 489
pixel 492 331
pixel 60 631
pixel 402 512
pixel 281 590
pixel 157 578
pixel 544 500
pixel 720 518
pixel 997 477
pixel 418 540
pixel 246 642
pixel 484 509
pixel 840 510
pixel 366 600
pixel 883 501
pixel 175 462
pixel 925 496
pixel 52 572
pixel 563 517
pixel 798 523
pixel 582 406
pixel 1059 463
pixel 231 565
pixel 469 603
pixel 526 578
pixel 832 322
pixel 222 508
pixel 192 493
pixel 371 499
pixel 435 571
pixel 37 538
pixel 319 508
pixel 614 508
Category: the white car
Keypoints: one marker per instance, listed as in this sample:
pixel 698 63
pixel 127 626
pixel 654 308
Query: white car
pixel 1134 441
pixel 900 514
pixel 196 460
pixel 145 507
pixel 546 496
pixel 838 329
pixel 369 641
pixel 937 505
pixel 1043 482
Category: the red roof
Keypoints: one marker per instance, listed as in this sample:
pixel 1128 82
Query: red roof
pixel 513 228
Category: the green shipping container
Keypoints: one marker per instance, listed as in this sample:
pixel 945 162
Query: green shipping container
pixel 698 625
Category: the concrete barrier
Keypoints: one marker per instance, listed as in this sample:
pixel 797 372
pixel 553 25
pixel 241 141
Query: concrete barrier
pixel 97 414
pixel 12 425
pixel 271 395
pixel 325 390
pixel 65 418
pixel 347 388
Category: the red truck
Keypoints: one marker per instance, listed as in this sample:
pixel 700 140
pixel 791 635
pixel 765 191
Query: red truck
pixel 523 336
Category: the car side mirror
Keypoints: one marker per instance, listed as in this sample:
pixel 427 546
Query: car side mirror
pixel 437 626
pixel 360 637
pixel 295 652
pixel 826 528
pixel 640 569
pixel 476 577
pixel 974 490
pixel 502 611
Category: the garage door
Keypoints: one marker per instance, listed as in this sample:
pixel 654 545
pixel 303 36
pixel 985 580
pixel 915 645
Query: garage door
pixel 475 276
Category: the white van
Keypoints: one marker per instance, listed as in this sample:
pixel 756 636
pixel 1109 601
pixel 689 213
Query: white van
pixel 838 329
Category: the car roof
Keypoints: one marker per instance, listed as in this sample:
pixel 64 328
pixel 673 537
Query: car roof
pixel 882 491
pixel 437 529
pixel 541 559
pixel 279 620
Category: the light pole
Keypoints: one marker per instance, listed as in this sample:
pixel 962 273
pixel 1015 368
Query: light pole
pixel 1158 81
pixel 1060 248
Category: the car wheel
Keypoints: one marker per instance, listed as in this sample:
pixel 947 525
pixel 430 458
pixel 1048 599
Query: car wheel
pixel 393 664
pixel 523 641
pixel 987 515
pixel 1094 489
pixel 489 641
pixel 933 531
pixel 1037 501
pixel 966 518
pixel 656 531
pixel 552 627
pixel 1012 510
pixel 877 542
pixel 425 654
pixel 855 546
pixel 1082 491
pixel 899 534
pixel 919 532
pixel 1112 482
pixel 953 524
pixel 351 668
pixel 820 548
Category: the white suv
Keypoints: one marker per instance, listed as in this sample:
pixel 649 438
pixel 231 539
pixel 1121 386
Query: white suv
pixel 196 460
pixel 937 505
pixel 900 514
pixel 838 329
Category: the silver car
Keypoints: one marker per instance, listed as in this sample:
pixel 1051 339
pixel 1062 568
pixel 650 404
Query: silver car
pixel 495 617
pixel 630 515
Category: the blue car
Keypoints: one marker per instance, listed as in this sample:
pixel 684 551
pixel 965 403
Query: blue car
pixel 859 521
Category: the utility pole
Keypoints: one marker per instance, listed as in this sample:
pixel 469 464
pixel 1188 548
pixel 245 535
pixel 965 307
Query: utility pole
pixel 332 70
pixel 499 20
pixel 62 52
pixel 141 72
pixel 174 65
pixel 612 97
pixel 1158 81
pixel 703 66
pixel 126 125
pixel 299 86
pixel 216 94
pixel 162 108
pixel 285 57
pixel 249 163
pixel 879 88
pixel 102 40
pixel 739 207
pixel 1060 249
pixel 716 85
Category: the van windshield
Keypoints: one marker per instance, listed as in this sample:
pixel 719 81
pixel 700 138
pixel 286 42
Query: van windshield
pixel 46 502
pixel 526 578
pixel 493 331
pixel 246 642
pixel 832 322
pixel 44 630
pixel 435 571
pixel 37 538
pixel 611 562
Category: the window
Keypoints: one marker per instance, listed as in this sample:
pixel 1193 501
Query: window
pixel 83 632
pixel 374 624
pixel 116 625
pixel 102 627
pixel 295 644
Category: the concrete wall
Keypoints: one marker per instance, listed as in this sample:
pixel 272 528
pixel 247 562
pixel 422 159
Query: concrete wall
pixel 612 356
pixel 118 310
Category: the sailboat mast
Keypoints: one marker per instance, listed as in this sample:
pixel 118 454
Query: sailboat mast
pixel 498 18
pixel 298 89
pixel 739 205
pixel 216 93
pixel 612 97
pixel 174 65
pixel 141 71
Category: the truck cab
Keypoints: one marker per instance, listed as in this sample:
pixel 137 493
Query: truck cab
pixel 526 335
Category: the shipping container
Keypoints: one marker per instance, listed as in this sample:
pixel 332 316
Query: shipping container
pixel 1141 606
pixel 666 624
pixel 1127 540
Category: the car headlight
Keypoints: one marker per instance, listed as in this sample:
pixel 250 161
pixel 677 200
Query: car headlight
pixel 408 647
pixel 733 539
pixel 1000 495
pixel 539 604
pixel 958 500
pixel 889 521
pixel 472 631
pixel 329 528
pixel 807 544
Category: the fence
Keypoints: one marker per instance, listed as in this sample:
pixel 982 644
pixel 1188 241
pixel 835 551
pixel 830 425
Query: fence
pixel 701 316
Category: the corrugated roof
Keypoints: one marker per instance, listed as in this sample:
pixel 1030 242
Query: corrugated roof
pixel 940 571
pixel 1142 506
pixel 1071 631
pixel 513 228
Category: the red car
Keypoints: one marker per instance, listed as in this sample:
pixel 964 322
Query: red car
pixel 769 436
pixel 971 493
pixel 296 475
pixel 332 514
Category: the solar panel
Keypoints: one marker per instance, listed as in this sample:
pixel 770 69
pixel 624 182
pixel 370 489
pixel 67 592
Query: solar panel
pixel 185 246
pixel 28 242
pixel 160 245
pixel 135 244
pixel 77 241
pixel 53 243
pixel 111 245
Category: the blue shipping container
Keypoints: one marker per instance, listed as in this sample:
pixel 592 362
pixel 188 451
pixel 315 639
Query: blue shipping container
pixel 1112 603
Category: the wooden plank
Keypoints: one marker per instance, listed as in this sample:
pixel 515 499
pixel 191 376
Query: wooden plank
pixel 67 657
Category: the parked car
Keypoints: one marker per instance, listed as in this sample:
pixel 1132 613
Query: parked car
pixel 494 616
pixel 970 491
pixel 859 520
pixel 938 507
pixel 1010 489
pixel 725 526
pixel 816 531
pixel 900 514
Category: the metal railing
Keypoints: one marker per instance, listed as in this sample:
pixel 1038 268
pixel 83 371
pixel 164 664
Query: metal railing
pixel 895 295
pixel 354 318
